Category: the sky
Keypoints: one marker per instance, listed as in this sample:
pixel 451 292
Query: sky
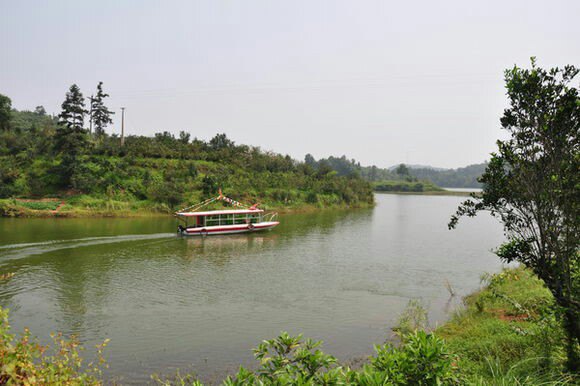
pixel 383 82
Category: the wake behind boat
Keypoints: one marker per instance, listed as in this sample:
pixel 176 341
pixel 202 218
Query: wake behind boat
pixel 222 222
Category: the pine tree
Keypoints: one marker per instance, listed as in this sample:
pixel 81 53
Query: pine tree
pixel 5 109
pixel 100 114
pixel 71 138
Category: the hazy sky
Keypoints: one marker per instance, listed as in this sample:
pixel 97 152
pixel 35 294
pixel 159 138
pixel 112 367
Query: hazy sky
pixel 380 81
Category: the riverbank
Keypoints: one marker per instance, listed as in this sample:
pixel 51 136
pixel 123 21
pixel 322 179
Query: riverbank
pixel 508 333
pixel 87 206
pixel 430 193
pixel 405 186
pixel 426 188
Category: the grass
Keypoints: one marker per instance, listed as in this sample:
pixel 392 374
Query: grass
pixel 507 333
pixel 39 204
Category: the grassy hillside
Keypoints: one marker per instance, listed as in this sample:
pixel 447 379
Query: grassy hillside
pixel 160 173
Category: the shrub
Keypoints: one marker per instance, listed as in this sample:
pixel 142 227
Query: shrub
pixel 25 362
pixel 39 205
pixel 422 359
pixel 9 208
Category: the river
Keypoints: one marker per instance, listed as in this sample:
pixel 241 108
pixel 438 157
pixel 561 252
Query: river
pixel 201 304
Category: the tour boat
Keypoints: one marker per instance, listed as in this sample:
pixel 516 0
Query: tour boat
pixel 223 222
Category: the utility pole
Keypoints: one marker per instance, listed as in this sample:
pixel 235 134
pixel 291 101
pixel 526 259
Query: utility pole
pixel 122 126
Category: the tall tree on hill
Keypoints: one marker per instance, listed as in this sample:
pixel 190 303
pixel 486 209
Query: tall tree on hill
pixel 100 114
pixel 403 170
pixel 532 186
pixel 5 112
pixel 220 142
pixel 71 138
pixel 40 110
pixel 310 160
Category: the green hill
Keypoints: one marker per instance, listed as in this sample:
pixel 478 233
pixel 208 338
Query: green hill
pixel 160 173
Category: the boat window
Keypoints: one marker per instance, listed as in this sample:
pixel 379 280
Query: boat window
pixel 212 220
pixel 227 219
pixel 240 219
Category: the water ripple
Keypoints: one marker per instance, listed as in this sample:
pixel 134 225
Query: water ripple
pixel 19 251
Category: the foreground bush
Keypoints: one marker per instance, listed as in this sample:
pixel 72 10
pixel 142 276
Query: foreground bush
pixel 422 359
pixel 25 362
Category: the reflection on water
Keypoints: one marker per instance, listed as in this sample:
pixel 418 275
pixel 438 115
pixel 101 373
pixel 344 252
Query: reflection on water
pixel 201 304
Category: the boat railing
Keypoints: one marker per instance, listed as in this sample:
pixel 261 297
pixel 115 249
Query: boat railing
pixel 269 217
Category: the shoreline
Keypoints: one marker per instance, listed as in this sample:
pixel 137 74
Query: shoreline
pixel 18 211
pixel 429 193
pixel 13 208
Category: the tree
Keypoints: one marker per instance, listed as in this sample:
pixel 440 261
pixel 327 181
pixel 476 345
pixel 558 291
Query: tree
pixel 532 185
pixel 71 138
pixel 5 112
pixel 184 137
pixel 40 110
pixel 100 114
pixel 309 160
pixel 221 141
pixel 402 170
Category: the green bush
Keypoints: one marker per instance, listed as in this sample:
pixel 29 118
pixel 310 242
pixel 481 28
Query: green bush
pixel 38 205
pixel 286 360
pixel 422 359
pixel 9 208
pixel 25 362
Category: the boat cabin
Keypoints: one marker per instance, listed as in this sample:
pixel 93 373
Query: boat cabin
pixel 221 217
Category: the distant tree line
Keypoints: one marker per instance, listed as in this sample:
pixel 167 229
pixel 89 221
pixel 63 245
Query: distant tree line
pixel 465 177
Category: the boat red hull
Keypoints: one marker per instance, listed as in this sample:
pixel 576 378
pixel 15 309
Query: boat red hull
pixel 229 229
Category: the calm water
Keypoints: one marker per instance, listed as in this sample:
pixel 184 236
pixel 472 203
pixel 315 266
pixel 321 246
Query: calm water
pixel 202 304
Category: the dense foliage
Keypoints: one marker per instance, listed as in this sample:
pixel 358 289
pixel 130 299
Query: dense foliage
pixel 41 156
pixel 24 361
pixel 532 185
